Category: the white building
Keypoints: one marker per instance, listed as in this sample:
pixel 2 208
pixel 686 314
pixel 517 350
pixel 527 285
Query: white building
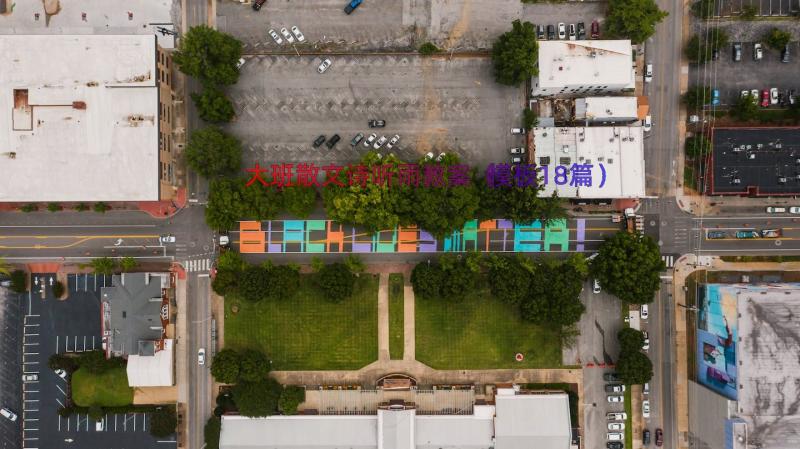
pixel 516 421
pixel 584 68
pixel 84 118
pixel 614 153
pixel 595 110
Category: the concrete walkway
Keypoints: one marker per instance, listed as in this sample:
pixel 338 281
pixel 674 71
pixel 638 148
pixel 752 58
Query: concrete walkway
pixel 383 317
pixel 409 326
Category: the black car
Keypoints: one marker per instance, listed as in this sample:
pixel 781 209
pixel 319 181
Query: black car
pixel 611 377
pixel 377 123
pixel 714 54
pixel 319 141
pixel 615 445
pixel 785 53
pixel 333 141
pixel 257 4
pixel 551 32
pixel 646 437
pixel 581 31
pixel 540 32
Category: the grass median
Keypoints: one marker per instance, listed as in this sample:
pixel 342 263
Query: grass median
pixel 396 318
pixel 109 389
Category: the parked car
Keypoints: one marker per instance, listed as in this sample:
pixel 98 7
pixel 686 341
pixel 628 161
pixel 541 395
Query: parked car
pixel 715 97
pixel 615 398
pixel 776 210
pixel 614 445
pixel 30 377
pixel 754 95
pixel 393 141
pixel 785 53
pixel 517 130
pixel 286 35
pixel 758 52
pixel 98 425
pixel 518 150
pixel 596 286
pixel 615 388
pixel 646 345
pixel 357 139
pixel 794 210
pixel 746 234
pixel 333 141
pixel 352 6
pixel 380 142
pixel 240 63
pixel 647 124
pixel 8 414
pixel 324 65
pixel 614 436
pixel 370 139
pixel 201 356
pixel 617 416
pixel 715 54
pixel 376 123
pixel 581 31
pixel 595 29
pixel 712 235
pixel 318 141
pixel 737 52
pixel 659 437
pixel 646 388
pixel 616 426
pixel 573 34
pixel 648 73
pixel 791 96
pixel 646 408
pixel 257 4
pixel 764 98
pixel 562 31
pixel 61 373
pixel 540 32
pixel 300 36
pixel 611 377
pixel 646 437
pixel 773 96
pixel 771 233
pixel 644 311
pixel 551 32
pixel 275 37
pixel 516 160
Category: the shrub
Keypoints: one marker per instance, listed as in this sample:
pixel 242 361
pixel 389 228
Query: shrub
pixel 225 367
pixel 253 366
pixel 63 361
pixel 291 397
pixel 66 412
pixel 30 207
pixel 529 118
pixel 19 281
pixel 211 432
pixel 53 207
pixel 81 207
pixel 95 412
pixel 429 48
pixel 336 282
pixel 101 207
pixel 163 421
pixel 58 289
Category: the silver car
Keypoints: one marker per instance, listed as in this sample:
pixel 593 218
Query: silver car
pixel 324 66
pixel 370 139
pixel 275 37
pixel 393 142
pixel 287 35
pixel 300 37
pixel 380 142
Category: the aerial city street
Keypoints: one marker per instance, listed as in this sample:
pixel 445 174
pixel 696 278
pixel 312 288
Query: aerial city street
pixel 477 224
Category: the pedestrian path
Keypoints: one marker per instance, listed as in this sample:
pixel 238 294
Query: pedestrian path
pixel 383 316
pixel 197 265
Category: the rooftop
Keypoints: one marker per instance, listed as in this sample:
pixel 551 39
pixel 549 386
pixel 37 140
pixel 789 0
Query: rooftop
pixel 606 108
pixel 580 63
pixel 84 129
pixel 133 307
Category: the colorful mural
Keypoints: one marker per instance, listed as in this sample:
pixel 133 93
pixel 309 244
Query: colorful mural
pixel 717 334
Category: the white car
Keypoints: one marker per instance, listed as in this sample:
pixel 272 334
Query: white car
pixel 646 388
pixel 646 408
pixel 517 130
pixel 755 95
pixel 300 37
pixel 324 66
pixel 562 31
pixel 518 150
pixel 201 356
pixel 380 142
pixel 169 238
pixel 240 63
pixel 618 416
pixel 616 426
pixel 368 141
pixel 596 286
pixel 758 52
pixel 794 210
pixel 98 425
pixel 8 414
pixel 61 373
pixel 440 157
pixel 645 311
pixel 614 436
pixel 648 123
pixel 288 36
pixel 275 37
pixel 776 210
pixel 773 96
pixel 30 377
pixel 646 345
pixel 615 398
pixel 648 73
pixel 393 142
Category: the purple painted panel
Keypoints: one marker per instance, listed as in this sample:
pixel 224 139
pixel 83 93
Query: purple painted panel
pixel 425 236
pixel 359 247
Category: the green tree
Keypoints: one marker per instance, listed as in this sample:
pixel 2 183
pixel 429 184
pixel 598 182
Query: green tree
pixel 254 283
pixel 698 146
pixel 68 363
pixel 291 397
pixel 554 294
pixel 284 280
pixel 213 153
pixel 628 265
pixel 19 281
pixel 777 38
pixel 336 282
pixel 703 9
pixel 700 47
pixel 257 398
pixel 316 264
pixel 81 207
pixel 209 55
pixel 225 366
pixel 509 279
pixel 634 368
pixel 225 282
pixel 58 289
pixel 30 207
pixel 253 366
pixel 429 48
pixel 696 97
pixel 630 339
pixel 231 260
pixel 749 12
pixel 128 263
pixel 163 421
pixel 299 200
pixel 211 432
pixel 230 200
pixel 53 207
pixel 426 278
pixel 103 265
pixel 633 19
pixel 95 412
pixel 745 108
pixel 515 54
pixel 213 106
pixel 529 118
pixel 101 207
pixel 354 264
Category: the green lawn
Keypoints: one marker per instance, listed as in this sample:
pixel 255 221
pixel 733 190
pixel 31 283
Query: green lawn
pixel 308 332
pixel 396 316
pixel 109 389
pixel 629 421
pixel 481 332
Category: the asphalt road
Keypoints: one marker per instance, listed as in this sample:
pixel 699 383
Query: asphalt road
pixel 199 336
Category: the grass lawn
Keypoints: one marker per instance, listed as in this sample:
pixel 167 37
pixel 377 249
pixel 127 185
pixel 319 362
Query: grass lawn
pixel 308 332
pixel 396 316
pixel 109 389
pixel 481 332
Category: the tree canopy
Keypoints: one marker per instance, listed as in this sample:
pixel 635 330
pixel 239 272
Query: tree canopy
pixel 634 368
pixel 696 97
pixel 745 108
pixel 225 366
pixel 253 366
pixel 211 432
pixel 515 54
pixel 633 19
pixel 700 47
pixel 230 200
pixel 630 339
pixel 257 398
pixel 448 279
pixel 299 200
pixel 213 106
pixel 698 146
pixel 163 421
pixel 777 38
pixel 336 281
pixel 213 153
pixel 209 55
pixel 291 397
pixel 628 265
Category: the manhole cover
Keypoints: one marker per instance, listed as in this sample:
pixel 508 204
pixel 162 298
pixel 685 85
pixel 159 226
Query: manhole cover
pixel 205 247
pixel 192 244
pixel 652 222
pixel 777 243
pixel 664 223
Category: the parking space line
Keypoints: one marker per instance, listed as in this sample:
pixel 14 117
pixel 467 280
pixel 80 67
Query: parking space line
pixel 134 422
pixel 95 282
pixel 57 348
pixel 144 422
pixel 59 420
pixel 32 325
pixel 84 343
pixel 31 363
pixel 68 426
pixel 75 345
pixel 30 344
pixel 115 422
pixel 59 389
pixel 86 283
pixel 30 400
pixel 59 402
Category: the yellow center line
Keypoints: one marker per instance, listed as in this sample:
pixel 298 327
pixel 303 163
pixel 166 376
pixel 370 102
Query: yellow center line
pixel 81 240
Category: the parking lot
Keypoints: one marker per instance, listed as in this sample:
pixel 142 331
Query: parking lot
pixel 11 320
pixel 391 25
pixel 733 77
pixel 72 325
pixel 763 7
pixel 434 104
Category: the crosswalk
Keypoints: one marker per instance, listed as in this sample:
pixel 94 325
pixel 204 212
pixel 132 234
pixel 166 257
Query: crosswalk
pixel 669 261
pixel 197 265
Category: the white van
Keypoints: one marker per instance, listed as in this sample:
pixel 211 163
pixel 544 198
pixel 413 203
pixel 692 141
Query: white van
pixel 8 414
pixel 645 311
pixel 648 73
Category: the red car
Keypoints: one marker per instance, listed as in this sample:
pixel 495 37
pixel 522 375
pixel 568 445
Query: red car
pixel 764 98
pixel 595 29
pixel 257 4
pixel 659 437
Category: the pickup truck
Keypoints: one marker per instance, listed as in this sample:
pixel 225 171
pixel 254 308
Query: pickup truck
pixel 352 6
pixel 747 234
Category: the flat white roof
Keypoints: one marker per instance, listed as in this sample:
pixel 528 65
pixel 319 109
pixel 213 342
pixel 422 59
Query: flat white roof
pixel 78 118
pixel 152 371
pixel 606 108
pixel 615 150
pixel 580 63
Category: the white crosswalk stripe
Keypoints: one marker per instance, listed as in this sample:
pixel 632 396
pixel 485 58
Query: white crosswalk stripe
pixel 195 265
pixel 668 261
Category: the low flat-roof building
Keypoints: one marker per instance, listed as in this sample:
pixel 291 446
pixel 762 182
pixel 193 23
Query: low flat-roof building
pixel 135 318
pixel 599 110
pixel 85 118
pixel 581 68
pixel 614 155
